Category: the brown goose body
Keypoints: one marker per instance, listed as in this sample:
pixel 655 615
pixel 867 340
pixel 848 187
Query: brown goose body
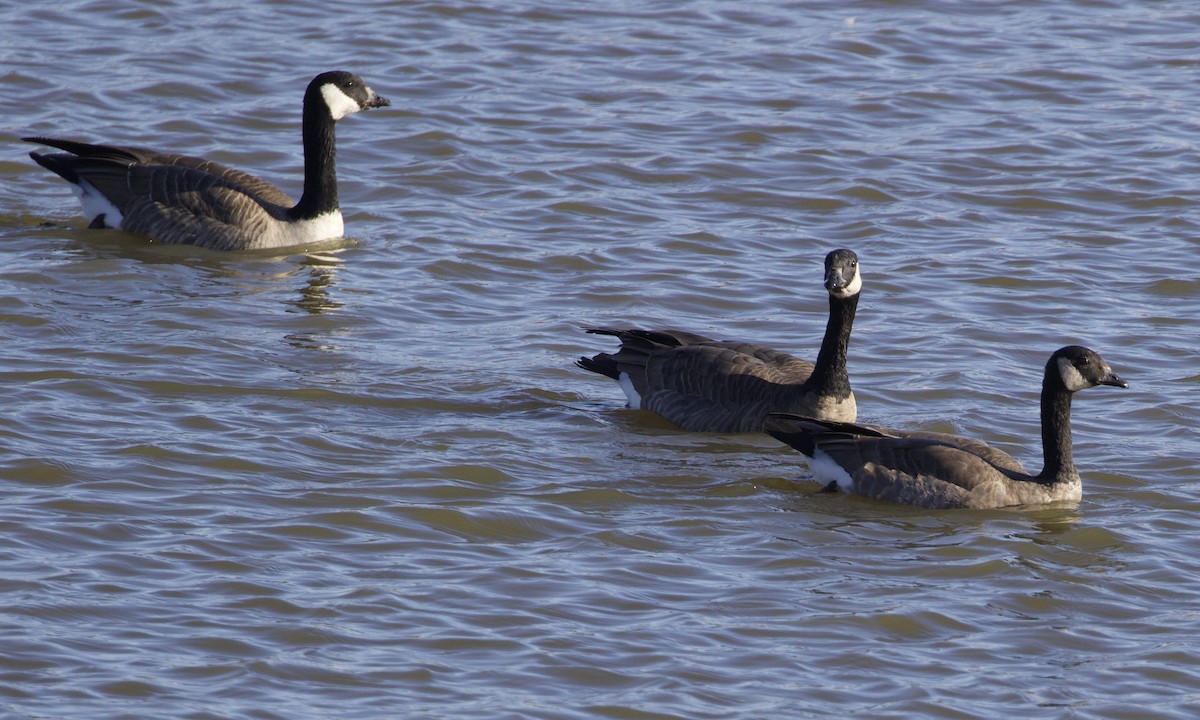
pixel 178 199
pixel 938 470
pixel 707 385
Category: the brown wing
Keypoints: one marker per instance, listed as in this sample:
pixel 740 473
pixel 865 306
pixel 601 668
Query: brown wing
pixel 913 471
pixel 990 454
pixel 251 185
pixel 127 157
pixel 715 387
pixel 698 383
pixel 636 348
pixel 913 467
pixel 178 204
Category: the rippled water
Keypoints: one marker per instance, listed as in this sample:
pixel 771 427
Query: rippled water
pixel 367 481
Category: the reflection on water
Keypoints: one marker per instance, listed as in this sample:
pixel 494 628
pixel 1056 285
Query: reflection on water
pixel 318 275
pixel 1056 521
pixel 322 270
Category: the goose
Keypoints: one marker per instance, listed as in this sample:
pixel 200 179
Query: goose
pixel 176 199
pixel 937 470
pixel 707 385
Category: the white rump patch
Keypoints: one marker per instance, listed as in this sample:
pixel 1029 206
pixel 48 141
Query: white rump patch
pixel 828 471
pixel 1071 377
pixel 94 204
pixel 340 104
pixel 635 399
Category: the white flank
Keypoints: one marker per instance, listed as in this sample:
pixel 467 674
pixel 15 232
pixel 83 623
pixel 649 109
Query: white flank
pixel 95 204
pixel 635 400
pixel 827 471
pixel 340 104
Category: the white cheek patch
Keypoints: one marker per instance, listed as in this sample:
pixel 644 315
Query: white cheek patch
pixel 340 104
pixel 828 471
pixel 854 287
pixel 635 398
pixel 1071 377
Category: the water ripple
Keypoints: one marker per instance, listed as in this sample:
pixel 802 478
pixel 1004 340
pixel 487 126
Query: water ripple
pixel 344 479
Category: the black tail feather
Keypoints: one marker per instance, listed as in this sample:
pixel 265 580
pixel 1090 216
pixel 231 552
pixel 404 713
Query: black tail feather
pixel 602 363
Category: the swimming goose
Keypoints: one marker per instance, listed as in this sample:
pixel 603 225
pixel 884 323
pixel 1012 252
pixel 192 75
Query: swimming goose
pixel 185 200
pixel 937 470
pixel 709 385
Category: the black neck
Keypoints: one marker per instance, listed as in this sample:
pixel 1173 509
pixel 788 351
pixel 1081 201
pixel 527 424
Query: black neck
pixel 1056 432
pixel 320 161
pixel 829 374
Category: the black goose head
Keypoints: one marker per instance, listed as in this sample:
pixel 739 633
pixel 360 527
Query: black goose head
pixel 1079 368
pixel 841 274
pixel 343 93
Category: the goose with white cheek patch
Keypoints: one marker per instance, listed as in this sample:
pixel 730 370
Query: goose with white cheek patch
pixel 707 385
pixel 176 199
pixel 937 470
